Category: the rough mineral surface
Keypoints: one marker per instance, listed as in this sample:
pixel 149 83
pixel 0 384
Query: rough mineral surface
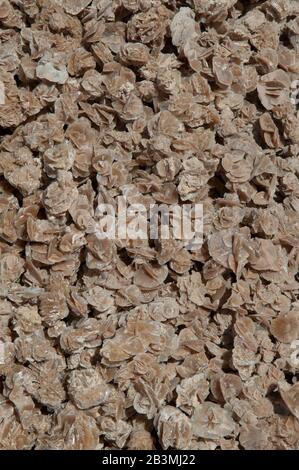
pixel 108 344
